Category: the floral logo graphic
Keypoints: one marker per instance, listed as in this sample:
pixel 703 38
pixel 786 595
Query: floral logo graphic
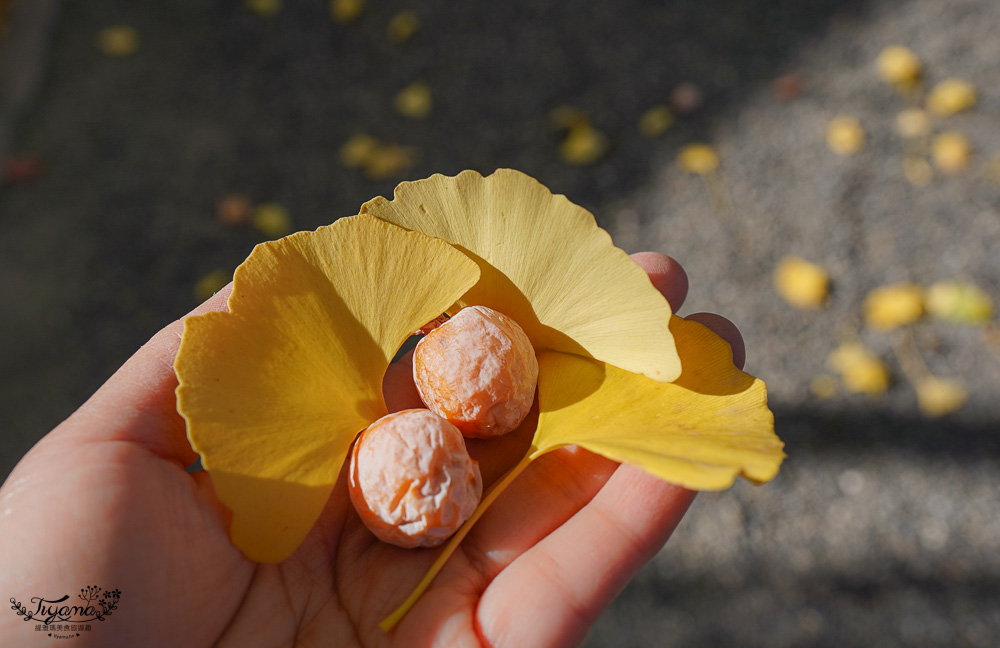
pixel 65 616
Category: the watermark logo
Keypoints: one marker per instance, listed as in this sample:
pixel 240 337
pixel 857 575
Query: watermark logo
pixel 63 618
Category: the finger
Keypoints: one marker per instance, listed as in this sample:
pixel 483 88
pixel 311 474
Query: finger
pixel 554 591
pixel 137 404
pixel 727 331
pixel 550 491
pixel 666 274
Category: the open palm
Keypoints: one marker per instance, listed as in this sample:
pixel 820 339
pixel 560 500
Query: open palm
pixel 105 500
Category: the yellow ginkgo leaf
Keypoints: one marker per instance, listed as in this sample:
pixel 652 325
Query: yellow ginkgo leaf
pixel 939 396
pixel 402 26
pixel 565 117
pixel 264 7
pixel 964 303
pixel 656 121
pixel 861 371
pixel 211 283
pixel 346 11
pixel 888 307
pixel 583 145
pixel 801 283
pixel 899 66
pixel 844 135
pixel 358 150
pixel 119 41
pixel 275 390
pixel 272 220
pixel 414 101
pixel 594 302
pixel 389 160
pixel 823 386
pixel 701 431
pixel 951 96
pixel 698 158
pixel 951 152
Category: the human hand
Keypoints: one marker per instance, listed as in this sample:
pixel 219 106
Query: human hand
pixel 105 499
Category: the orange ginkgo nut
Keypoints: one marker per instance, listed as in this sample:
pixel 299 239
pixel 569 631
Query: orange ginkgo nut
pixel 478 370
pixel 411 480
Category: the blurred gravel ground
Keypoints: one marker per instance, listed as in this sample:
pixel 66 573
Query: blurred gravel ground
pixel 881 528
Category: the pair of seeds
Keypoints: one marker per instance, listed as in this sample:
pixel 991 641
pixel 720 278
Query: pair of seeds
pixel 411 479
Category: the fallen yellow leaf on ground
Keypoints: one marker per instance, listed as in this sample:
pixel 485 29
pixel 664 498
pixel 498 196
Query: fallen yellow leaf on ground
pixel 888 307
pixel 951 152
pixel 823 386
pixel 211 283
pixel 844 135
pixel 272 220
pixel 583 145
pixel 402 26
pixel 264 7
pixel 801 283
pixel 899 66
pixel 414 101
pixel 656 121
pixel 698 158
pixel 861 371
pixel 964 303
pixel 951 96
pixel 346 11
pixel 119 41
pixel 938 396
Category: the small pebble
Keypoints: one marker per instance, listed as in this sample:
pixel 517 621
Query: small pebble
pixel 788 86
pixel 233 210
pixel 22 169
pixel 686 98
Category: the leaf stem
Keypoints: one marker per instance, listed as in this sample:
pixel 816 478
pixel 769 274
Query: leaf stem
pixel 390 621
